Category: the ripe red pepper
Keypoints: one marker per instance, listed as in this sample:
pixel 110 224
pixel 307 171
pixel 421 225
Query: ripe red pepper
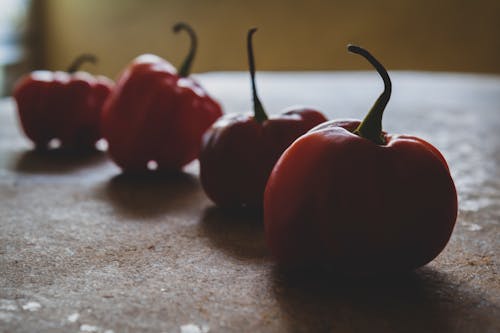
pixel 360 200
pixel 239 151
pixel 156 114
pixel 62 105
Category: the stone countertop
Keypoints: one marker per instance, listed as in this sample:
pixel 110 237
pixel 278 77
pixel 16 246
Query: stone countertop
pixel 85 248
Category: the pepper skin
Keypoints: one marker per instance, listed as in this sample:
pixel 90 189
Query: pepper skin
pixel 351 197
pixel 239 151
pixel 156 114
pixel 62 105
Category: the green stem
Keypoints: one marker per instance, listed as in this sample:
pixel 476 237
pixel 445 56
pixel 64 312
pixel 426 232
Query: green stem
pixel 371 127
pixel 80 60
pixel 258 110
pixel 185 69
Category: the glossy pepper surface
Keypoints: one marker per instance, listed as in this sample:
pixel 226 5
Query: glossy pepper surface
pixel 240 150
pixel 62 105
pixel 157 114
pixel 359 200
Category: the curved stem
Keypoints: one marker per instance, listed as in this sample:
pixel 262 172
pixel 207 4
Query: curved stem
pixel 371 127
pixel 185 69
pixel 258 110
pixel 80 60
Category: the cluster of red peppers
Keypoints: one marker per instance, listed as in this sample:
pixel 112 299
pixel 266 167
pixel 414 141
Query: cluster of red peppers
pixel 342 193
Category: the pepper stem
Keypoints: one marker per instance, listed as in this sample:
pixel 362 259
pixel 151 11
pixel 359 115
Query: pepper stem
pixel 185 69
pixel 258 110
pixel 80 60
pixel 371 127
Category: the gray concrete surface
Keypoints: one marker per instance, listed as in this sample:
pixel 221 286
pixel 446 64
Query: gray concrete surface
pixel 86 249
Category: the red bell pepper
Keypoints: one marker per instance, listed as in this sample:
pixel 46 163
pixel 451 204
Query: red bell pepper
pixel 62 105
pixel 359 200
pixel 155 117
pixel 239 151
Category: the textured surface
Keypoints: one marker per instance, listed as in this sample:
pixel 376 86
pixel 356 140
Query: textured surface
pixel 84 248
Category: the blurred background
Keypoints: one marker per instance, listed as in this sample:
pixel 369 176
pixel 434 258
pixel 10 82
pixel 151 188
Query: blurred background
pixel 445 35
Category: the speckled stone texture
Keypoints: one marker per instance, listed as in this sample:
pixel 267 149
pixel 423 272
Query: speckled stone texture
pixel 85 248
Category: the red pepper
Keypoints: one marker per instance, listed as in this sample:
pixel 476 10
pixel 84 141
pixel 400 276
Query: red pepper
pixel 156 114
pixel 62 105
pixel 239 151
pixel 359 200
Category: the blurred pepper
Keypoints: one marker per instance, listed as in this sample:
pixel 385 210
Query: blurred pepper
pixel 62 105
pixel 156 114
